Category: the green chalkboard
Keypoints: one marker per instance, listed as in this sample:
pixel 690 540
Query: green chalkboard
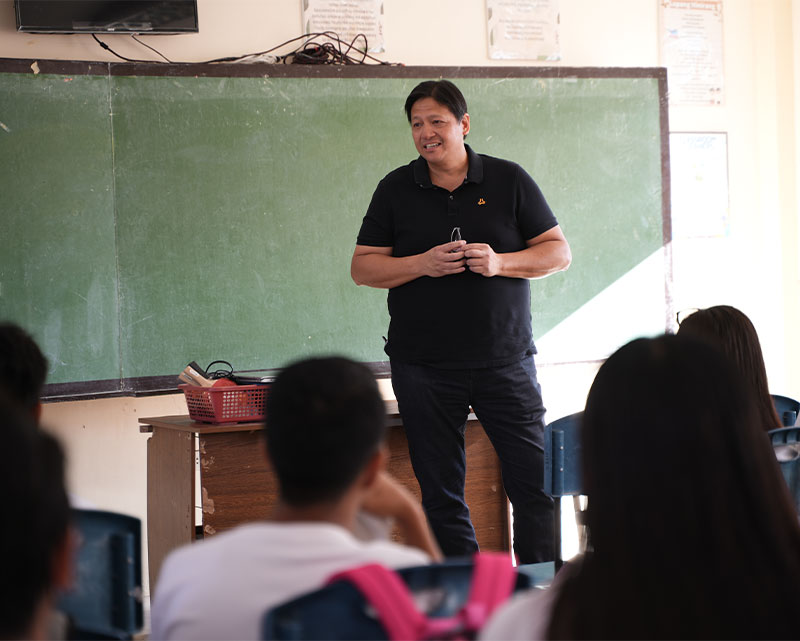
pixel 58 274
pixel 157 214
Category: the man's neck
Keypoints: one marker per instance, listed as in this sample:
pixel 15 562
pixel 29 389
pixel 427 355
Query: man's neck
pixel 339 513
pixel 450 176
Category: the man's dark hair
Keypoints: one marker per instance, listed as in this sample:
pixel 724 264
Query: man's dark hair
pixel 443 92
pixel 23 367
pixel 35 516
pixel 325 418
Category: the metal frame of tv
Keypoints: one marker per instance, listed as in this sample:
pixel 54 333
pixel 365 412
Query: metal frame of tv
pixel 117 27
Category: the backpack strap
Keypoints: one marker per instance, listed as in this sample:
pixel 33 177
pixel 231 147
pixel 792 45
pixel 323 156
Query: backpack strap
pixel 390 596
pixel 493 579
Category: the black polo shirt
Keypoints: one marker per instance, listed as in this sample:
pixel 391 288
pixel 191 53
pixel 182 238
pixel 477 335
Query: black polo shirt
pixel 461 320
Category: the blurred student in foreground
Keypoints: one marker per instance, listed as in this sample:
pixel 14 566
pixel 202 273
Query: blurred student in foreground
pixel 23 372
pixel 326 423
pixel 35 534
pixel 692 532
pixel 23 368
pixel 731 331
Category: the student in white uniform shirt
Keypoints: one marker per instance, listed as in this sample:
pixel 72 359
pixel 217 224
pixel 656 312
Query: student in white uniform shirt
pixel 324 438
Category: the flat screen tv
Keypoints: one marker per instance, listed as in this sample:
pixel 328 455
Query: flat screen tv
pixel 107 16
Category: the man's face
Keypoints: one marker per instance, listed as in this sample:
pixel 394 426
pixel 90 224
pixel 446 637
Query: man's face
pixel 438 134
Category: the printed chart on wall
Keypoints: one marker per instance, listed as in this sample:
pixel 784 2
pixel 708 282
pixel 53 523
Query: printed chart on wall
pixel 699 184
pixel 691 50
pixel 353 21
pixel 523 29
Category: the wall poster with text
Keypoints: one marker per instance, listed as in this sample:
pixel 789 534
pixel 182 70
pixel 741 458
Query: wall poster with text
pixel 523 29
pixel 356 22
pixel 691 50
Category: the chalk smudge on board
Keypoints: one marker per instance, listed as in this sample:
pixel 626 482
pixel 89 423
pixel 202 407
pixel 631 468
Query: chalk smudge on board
pixel 141 320
pixel 5 127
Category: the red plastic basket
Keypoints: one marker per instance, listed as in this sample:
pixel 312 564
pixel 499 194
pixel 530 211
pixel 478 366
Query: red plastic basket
pixel 234 404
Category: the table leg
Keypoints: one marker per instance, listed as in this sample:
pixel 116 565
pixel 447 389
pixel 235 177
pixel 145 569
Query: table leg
pixel 170 495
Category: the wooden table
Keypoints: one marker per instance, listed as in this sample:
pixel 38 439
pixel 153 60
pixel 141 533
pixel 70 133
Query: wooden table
pixel 237 485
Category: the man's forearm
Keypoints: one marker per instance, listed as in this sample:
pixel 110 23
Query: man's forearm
pixel 537 261
pixel 382 271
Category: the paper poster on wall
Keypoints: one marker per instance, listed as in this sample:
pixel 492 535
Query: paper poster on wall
pixel 691 50
pixel 523 29
pixel 699 177
pixel 347 19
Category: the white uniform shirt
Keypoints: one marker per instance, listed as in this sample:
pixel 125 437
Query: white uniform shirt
pixel 221 587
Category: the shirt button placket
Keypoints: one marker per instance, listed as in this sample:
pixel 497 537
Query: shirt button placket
pixel 452 207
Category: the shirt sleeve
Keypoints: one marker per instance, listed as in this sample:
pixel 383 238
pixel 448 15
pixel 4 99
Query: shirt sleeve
pixel 534 215
pixel 377 229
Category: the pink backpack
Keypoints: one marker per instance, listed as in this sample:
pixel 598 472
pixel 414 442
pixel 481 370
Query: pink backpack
pixel 493 580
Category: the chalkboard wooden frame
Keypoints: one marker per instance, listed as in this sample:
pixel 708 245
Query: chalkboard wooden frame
pixel 165 384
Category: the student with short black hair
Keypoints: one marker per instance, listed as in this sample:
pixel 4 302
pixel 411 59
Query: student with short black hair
pixel 325 427
pixel 35 534
pixel 23 367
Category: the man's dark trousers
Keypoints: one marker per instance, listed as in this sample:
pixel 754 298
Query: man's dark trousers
pixel 434 404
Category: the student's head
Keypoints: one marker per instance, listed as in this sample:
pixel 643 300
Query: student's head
pixel 23 367
pixel 34 534
pixel 731 331
pixel 442 91
pixel 325 421
pixel 691 527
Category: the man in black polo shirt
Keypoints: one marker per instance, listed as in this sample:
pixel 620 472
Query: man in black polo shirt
pixel 454 236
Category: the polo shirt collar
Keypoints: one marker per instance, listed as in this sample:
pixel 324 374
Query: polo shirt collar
pixel 474 172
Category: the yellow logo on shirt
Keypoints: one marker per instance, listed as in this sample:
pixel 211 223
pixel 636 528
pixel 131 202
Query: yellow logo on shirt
pixel 481 201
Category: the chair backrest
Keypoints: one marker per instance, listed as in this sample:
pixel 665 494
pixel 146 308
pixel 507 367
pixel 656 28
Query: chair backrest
pixel 788 455
pixel 787 409
pixel 562 456
pixel 340 611
pixel 782 435
pixel 562 472
pixel 105 601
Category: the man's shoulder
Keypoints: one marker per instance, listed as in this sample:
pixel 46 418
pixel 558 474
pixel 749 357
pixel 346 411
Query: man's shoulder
pixel 499 164
pixel 401 174
pixel 294 538
pixel 185 558
pixel 393 554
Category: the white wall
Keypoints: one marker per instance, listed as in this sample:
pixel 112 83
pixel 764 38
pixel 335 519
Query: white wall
pixel 755 268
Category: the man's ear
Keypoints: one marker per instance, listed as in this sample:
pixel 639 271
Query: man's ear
pixel 375 465
pixel 63 562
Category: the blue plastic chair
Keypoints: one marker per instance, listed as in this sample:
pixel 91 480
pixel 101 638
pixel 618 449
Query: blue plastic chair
pixel 105 601
pixel 786 443
pixel 783 435
pixel 788 456
pixel 339 611
pixel 562 469
pixel 787 409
